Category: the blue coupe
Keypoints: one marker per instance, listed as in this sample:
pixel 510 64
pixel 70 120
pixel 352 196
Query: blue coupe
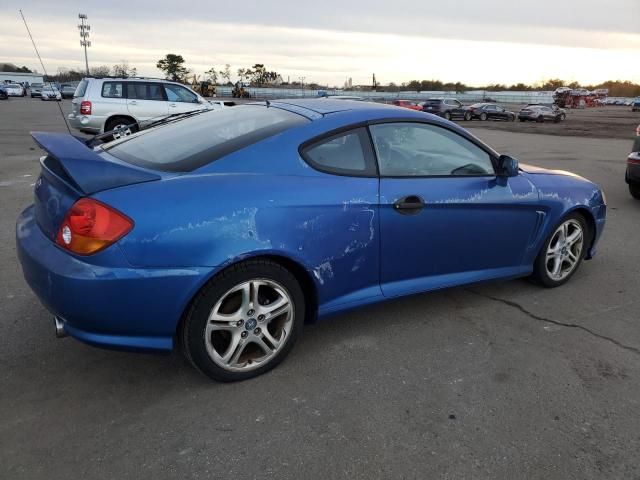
pixel 225 232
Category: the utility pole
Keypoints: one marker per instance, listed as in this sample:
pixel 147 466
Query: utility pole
pixel 302 82
pixel 84 37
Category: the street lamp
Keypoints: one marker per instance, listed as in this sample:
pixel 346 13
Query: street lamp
pixel 84 37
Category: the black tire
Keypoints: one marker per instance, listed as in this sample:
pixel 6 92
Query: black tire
pixel 193 327
pixel 467 116
pixel 115 121
pixel 447 115
pixel 483 116
pixel 540 119
pixel 540 274
pixel 563 117
pixel 521 119
pixel 634 190
pixel 513 118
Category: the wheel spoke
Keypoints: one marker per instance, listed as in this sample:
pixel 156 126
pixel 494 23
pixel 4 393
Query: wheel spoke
pixel 557 265
pixel 275 343
pixel 575 237
pixel 235 349
pixel 265 348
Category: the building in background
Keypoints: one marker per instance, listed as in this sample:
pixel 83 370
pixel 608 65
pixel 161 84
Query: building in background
pixel 20 77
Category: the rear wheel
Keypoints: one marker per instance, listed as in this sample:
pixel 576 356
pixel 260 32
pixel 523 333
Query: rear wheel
pixel 562 252
pixel 244 322
pixel 447 115
pixel 634 190
pixel 467 116
pixel 483 116
pixel 125 126
pixel 540 119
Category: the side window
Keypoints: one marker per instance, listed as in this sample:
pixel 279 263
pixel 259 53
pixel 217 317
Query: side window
pixel 176 93
pixel 144 91
pixel 347 153
pixel 422 150
pixel 112 90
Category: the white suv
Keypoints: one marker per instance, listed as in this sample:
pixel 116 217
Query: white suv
pixel 103 104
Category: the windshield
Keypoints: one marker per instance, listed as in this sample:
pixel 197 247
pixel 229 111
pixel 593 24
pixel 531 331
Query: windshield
pixel 188 144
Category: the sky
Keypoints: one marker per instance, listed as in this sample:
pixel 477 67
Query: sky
pixel 471 41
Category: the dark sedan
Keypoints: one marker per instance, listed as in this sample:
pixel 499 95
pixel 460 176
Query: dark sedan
pixel 3 93
pixel 67 91
pixel 489 111
pixel 540 114
pixel 632 175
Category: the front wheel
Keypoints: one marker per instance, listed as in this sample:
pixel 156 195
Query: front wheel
pixel 244 322
pixel 562 252
pixel 467 116
pixel 483 116
pixel 447 116
pixel 634 190
pixel 540 119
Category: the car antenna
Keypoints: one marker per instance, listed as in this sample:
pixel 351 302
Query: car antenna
pixel 44 69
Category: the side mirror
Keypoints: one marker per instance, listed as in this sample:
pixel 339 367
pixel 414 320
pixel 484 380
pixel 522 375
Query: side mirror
pixel 507 166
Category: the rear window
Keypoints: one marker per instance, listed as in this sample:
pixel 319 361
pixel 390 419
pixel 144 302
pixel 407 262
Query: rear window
pixel 82 88
pixel 112 90
pixel 193 142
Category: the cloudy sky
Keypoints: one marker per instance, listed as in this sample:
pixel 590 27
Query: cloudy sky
pixel 473 41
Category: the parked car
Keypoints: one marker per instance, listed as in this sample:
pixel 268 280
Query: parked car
pixel 635 105
pixel 67 91
pixel 3 93
pixel 632 174
pixel 104 104
pixel 227 231
pixel 35 89
pixel 49 92
pixel 489 111
pixel 14 89
pixel 407 104
pixel 541 113
pixel 445 107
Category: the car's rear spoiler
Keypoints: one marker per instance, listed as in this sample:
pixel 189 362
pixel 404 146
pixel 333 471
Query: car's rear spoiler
pixel 89 171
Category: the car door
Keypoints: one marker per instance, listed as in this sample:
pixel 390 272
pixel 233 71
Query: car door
pixel 446 218
pixel 500 113
pixel 145 100
pixel 455 107
pixel 180 99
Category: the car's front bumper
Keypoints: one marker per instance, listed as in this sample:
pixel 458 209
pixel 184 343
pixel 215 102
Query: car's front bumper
pixel 101 299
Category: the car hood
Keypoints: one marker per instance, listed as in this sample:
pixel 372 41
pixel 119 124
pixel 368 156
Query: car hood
pixel 532 169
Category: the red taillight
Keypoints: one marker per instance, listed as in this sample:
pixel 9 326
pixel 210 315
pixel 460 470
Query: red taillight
pixel 85 108
pixel 91 226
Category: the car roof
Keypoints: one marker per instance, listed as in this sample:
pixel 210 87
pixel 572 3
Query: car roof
pixel 325 106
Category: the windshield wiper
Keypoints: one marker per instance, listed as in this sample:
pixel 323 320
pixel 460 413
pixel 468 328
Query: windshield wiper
pixel 152 122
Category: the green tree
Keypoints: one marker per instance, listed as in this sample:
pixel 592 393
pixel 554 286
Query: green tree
pixel 225 74
pixel 173 67
pixel 212 75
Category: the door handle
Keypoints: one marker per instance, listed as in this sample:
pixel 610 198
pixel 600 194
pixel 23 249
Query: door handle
pixel 409 205
pixel 172 104
pixel 133 102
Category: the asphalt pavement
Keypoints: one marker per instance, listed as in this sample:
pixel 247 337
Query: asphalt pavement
pixel 498 381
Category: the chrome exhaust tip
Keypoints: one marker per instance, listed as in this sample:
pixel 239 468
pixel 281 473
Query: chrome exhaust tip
pixel 59 324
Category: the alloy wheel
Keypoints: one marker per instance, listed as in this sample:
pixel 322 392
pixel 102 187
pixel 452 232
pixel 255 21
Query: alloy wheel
pixel 564 250
pixel 249 325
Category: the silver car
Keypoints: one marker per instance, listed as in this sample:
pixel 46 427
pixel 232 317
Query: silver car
pixel 104 104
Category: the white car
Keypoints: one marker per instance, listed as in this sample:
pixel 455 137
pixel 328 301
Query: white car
pixel 127 104
pixel 14 89
pixel 50 93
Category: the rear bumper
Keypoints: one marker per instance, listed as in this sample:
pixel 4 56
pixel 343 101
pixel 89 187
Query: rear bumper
pixel 106 303
pixel 633 168
pixel 86 123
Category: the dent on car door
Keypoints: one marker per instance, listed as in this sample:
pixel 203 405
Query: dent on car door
pixel 339 227
pixel 445 217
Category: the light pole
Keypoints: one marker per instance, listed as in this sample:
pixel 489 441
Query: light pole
pixel 302 83
pixel 84 37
